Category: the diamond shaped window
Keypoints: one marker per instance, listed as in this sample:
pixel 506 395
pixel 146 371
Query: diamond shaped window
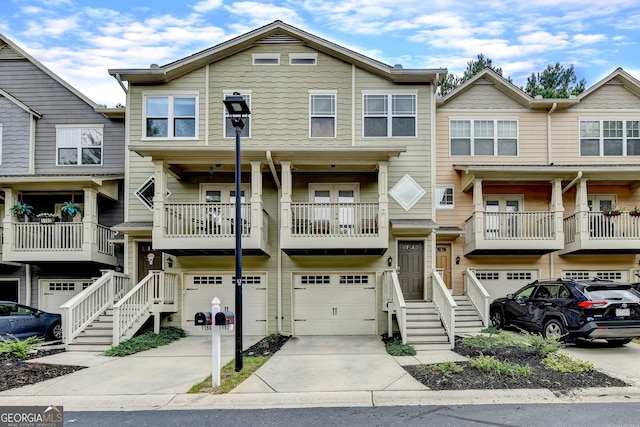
pixel 407 192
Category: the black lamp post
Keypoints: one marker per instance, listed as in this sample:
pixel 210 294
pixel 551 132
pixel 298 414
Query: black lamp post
pixel 237 108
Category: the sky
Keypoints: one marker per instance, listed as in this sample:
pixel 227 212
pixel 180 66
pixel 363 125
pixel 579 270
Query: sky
pixel 80 40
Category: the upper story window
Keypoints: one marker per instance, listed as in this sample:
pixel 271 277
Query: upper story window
pixel 609 137
pixel 229 130
pixel 484 137
pixel 79 145
pixel 266 58
pixel 389 115
pixel 444 197
pixel 322 115
pixel 172 116
pixel 310 58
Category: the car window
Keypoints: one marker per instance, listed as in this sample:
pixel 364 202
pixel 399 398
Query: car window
pixel 621 295
pixel 547 291
pixel 563 292
pixel 23 311
pixel 5 310
pixel 524 293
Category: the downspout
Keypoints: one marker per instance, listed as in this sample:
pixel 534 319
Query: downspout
pixel 119 79
pixel 353 105
pixel 27 279
pixel 572 183
pixel 549 156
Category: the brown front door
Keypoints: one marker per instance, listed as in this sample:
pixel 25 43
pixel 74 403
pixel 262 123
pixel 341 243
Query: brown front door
pixel 144 249
pixel 411 269
pixel 443 261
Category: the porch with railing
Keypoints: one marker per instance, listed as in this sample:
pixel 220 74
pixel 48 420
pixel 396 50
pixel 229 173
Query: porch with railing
pixel 596 232
pixel 59 241
pixel 494 232
pixel 209 226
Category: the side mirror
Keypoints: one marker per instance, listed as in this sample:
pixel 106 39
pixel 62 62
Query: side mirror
pixel 509 296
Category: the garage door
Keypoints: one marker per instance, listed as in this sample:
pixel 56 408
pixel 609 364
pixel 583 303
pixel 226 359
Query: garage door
pixel 334 304
pixel 499 283
pixel 55 293
pixel 200 290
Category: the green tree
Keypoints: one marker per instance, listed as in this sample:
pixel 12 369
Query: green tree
pixel 449 82
pixel 555 82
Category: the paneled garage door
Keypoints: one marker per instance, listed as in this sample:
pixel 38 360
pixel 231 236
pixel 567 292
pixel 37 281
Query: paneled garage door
pixel 334 304
pixel 54 293
pixel 200 289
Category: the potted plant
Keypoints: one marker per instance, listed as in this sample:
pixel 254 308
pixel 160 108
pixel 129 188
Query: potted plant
pixel 613 211
pixel 21 209
pixel 71 209
pixel 634 212
pixel 47 218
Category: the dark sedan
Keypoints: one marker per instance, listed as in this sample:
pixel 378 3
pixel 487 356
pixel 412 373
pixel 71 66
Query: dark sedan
pixel 21 321
pixel 571 309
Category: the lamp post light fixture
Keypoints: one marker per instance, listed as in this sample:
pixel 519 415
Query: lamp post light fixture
pixel 238 110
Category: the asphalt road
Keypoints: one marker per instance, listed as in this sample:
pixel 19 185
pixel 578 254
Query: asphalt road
pixel 577 414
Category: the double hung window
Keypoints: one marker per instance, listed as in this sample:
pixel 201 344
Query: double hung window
pixel 390 115
pixel 483 137
pixel 610 138
pixel 322 115
pixel 172 116
pixel 79 145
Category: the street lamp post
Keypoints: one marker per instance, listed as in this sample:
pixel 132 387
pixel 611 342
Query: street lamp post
pixel 237 108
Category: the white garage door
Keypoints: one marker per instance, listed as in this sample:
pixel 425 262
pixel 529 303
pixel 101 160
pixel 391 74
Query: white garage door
pixel 334 304
pixel 56 293
pixel 499 283
pixel 200 289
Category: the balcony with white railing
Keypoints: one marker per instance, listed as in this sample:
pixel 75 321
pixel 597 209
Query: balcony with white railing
pixel 326 228
pixel 493 233
pixel 598 232
pixel 58 241
pixel 188 228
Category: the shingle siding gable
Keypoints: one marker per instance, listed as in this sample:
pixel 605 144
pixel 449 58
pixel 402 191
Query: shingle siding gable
pixel 15 138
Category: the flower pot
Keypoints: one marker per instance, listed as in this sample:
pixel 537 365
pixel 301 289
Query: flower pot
pixel 634 213
pixel 47 220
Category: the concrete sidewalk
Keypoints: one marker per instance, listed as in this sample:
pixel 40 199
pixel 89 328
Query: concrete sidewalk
pixel 306 372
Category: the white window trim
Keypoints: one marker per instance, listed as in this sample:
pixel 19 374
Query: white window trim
pixel 1 131
pixel 495 138
pixel 305 56
pixel 335 112
pixel 601 138
pixel 438 199
pixel 80 126
pixel 147 182
pixel 225 114
pixel 256 57
pixel 225 190
pixel 172 94
pixel 390 116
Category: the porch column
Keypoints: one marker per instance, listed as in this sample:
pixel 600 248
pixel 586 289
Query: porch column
pixel 7 222
pixel 557 208
pixel 285 201
pixel 383 198
pixel 478 211
pixel 90 221
pixel 256 199
pixel 582 211
pixel 160 190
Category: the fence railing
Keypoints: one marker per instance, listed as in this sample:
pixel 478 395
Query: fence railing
pixel 334 219
pixel 205 219
pixel 445 305
pixel 393 296
pixel 519 225
pixel 59 236
pixel 477 294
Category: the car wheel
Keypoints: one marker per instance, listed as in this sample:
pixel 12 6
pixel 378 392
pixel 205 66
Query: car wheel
pixel 496 319
pixel 553 328
pixel 618 342
pixel 55 332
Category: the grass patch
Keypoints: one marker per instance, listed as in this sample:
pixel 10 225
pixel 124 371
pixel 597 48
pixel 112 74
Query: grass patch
pixel 19 349
pixel 146 341
pixel 563 362
pixel 229 378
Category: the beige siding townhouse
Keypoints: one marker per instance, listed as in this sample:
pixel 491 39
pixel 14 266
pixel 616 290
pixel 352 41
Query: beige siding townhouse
pixel 337 167
pixel 532 188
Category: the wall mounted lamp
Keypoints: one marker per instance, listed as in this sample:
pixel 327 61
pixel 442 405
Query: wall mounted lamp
pixel 389 261
pixel 458 260
pixel 169 262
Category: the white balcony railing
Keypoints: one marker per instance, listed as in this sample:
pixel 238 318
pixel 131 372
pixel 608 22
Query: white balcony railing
pixel 205 219
pixel 60 237
pixel 334 219
pixel 519 225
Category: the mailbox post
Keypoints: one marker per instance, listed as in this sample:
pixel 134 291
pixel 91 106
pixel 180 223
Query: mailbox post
pixel 215 346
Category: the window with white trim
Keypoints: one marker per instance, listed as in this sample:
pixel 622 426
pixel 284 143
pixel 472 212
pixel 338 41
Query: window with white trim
pixel 229 130
pixel 444 197
pixel 322 115
pixel 171 116
pixel 266 58
pixel 609 138
pixel 483 137
pixel 389 115
pixel 79 145
pixel 310 58
pixel 146 191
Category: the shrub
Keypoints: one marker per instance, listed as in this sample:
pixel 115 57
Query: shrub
pixel 492 365
pixel 19 349
pixel 145 341
pixel 399 349
pixel 448 368
pixel 563 362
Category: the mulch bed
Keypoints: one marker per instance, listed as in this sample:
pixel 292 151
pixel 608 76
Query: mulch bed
pixel 542 377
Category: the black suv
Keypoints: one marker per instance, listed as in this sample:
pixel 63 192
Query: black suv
pixel 573 309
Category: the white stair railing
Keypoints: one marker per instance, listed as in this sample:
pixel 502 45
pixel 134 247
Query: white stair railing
pixel 395 304
pixel 477 294
pixel 85 307
pixel 445 305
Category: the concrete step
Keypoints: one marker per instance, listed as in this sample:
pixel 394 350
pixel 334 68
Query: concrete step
pixel 94 338
pixel 422 348
pixel 88 347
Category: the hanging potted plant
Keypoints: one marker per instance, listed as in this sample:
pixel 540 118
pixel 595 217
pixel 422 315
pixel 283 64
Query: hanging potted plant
pixel 634 212
pixel 22 210
pixel 71 209
pixel 613 211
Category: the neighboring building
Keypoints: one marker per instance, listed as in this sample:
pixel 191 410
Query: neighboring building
pixel 525 186
pixel 337 179
pixel 56 146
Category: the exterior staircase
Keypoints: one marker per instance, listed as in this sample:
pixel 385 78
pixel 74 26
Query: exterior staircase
pixel 98 336
pixel 424 328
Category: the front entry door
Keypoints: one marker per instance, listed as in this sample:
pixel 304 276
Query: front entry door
pixel 411 269
pixel 144 262
pixel 443 262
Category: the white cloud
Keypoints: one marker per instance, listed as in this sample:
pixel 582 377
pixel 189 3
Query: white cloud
pixel 206 5
pixel 53 27
pixel 589 38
